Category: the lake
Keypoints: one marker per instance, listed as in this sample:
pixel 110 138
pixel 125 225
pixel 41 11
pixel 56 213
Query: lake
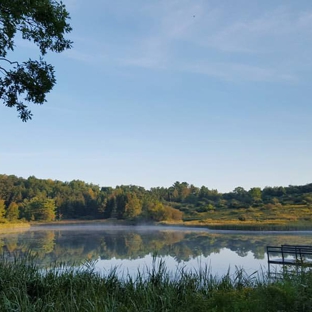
pixel 133 248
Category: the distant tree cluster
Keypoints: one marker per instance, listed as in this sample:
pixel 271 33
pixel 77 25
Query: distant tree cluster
pixel 190 199
pixel 35 199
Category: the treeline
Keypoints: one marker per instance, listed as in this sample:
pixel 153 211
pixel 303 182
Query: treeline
pixel 190 199
pixel 35 199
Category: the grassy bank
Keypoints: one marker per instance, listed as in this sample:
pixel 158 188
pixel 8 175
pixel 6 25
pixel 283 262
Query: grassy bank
pixel 264 218
pixel 23 287
pixel 283 217
pixel 215 225
pixel 4 227
pixel 110 221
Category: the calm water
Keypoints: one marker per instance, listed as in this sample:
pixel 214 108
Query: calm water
pixel 131 248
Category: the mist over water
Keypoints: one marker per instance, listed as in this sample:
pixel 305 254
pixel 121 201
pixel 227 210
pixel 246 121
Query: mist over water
pixel 130 249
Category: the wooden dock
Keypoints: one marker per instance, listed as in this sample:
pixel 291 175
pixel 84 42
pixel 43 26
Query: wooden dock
pixel 300 255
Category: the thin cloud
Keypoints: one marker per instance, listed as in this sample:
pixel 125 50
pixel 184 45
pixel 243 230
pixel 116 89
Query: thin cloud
pixel 255 47
pixel 144 62
pixel 170 22
pixel 78 55
pixel 267 35
pixel 240 72
pixel 10 155
pixel 262 33
pixel 149 53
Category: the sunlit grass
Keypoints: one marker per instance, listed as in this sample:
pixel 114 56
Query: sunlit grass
pixel 4 227
pixel 286 217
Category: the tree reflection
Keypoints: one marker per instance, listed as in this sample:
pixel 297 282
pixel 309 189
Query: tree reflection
pixel 131 243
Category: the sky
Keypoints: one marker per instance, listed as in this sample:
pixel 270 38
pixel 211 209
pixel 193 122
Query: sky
pixel 211 92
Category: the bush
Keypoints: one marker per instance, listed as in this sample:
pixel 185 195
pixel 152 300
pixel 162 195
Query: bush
pixel 242 218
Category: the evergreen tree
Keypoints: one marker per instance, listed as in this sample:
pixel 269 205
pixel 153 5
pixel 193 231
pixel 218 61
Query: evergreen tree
pixel 12 213
pixel 2 211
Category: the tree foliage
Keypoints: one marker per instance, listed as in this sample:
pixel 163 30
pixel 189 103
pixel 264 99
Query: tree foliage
pixel 39 209
pixel 12 213
pixel 43 22
pixel 2 210
pixel 46 200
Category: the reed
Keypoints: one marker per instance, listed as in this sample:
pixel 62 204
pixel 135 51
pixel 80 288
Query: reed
pixel 26 287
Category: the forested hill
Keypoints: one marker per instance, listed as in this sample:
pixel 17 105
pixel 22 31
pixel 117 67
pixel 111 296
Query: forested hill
pixel 35 199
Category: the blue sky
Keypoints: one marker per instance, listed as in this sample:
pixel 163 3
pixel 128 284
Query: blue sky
pixel 215 93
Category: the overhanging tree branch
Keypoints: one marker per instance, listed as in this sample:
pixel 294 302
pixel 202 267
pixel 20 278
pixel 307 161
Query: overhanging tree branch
pixel 45 23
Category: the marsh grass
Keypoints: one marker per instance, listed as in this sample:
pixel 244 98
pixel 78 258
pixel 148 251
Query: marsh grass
pixel 26 287
pixel 266 217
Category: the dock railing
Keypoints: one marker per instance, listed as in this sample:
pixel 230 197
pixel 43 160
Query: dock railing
pixel 290 255
pixel 299 256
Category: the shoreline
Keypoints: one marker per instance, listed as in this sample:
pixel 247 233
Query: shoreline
pixel 224 228
pixel 9 227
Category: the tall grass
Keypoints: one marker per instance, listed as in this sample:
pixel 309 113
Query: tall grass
pixel 25 287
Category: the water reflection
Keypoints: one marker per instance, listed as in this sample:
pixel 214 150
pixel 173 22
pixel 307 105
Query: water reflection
pixel 133 247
